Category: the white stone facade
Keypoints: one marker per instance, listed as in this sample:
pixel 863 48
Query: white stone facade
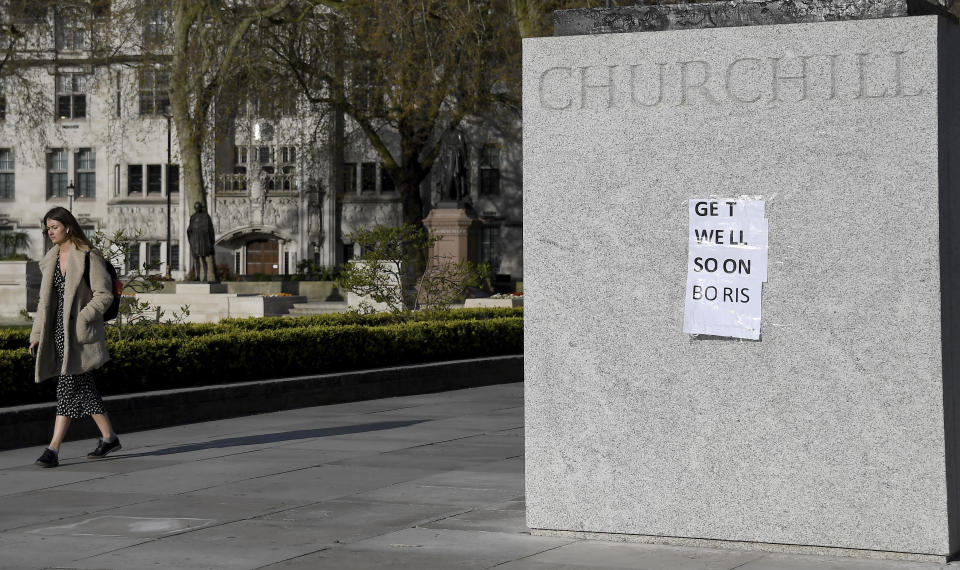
pixel 267 182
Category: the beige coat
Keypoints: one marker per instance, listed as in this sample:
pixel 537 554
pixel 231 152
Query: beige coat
pixel 85 346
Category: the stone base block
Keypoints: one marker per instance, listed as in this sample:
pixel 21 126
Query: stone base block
pixel 840 426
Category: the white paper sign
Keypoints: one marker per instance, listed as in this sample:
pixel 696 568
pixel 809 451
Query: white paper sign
pixel 726 267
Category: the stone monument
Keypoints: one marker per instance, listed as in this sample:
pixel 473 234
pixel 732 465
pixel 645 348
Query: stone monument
pixel 836 430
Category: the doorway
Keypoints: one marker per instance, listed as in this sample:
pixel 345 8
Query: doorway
pixel 263 256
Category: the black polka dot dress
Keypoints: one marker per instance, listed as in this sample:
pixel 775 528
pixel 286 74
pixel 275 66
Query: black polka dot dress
pixel 77 395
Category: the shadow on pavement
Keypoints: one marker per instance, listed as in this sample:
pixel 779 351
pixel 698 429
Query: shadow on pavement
pixel 273 438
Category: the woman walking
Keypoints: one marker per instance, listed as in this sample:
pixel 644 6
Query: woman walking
pixel 68 339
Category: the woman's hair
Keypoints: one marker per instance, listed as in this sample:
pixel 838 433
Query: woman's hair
pixel 74 231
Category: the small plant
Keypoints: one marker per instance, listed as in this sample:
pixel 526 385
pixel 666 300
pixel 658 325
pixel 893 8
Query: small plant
pixel 445 280
pixel 10 243
pixel 307 270
pixel 390 270
pixel 134 313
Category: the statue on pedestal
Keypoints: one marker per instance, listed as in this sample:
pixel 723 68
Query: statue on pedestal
pixel 201 236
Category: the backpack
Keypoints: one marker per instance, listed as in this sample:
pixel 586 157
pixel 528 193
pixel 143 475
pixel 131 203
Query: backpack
pixel 114 308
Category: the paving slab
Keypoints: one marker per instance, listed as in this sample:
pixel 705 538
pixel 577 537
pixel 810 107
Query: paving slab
pixel 648 557
pixel 14 481
pixel 396 483
pixel 429 549
pixel 26 551
pixel 45 505
pixel 315 484
pixel 220 509
pixel 486 520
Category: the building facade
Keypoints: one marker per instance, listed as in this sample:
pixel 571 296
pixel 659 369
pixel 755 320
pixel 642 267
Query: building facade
pixel 95 137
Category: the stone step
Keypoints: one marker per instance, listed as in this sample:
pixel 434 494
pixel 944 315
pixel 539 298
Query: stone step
pixel 318 308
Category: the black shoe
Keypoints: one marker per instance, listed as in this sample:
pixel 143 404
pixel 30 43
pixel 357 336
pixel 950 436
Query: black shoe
pixel 103 448
pixel 48 459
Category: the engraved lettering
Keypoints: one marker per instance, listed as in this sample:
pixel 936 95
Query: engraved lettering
pixel 686 85
pixel 543 96
pixel 745 62
pixel 633 86
pixel 862 75
pixel 608 86
pixel 776 77
pixel 898 76
pixel 833 75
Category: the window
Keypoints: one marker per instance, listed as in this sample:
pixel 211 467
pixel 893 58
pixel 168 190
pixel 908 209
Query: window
pixel 266 157
pixel 71 96
pixel 173 178
pixel 154 91
pixel 386 181
pixel 154 26
pixel 153 254
pixel 347 252
pixel 86 164
pixel 238 182
pixel 240 157
pixel 281 102
pixel 236 262
pixel 57 173
pixel 349 177
pixel 6 174
pixel 71 29
pixel 174 255
pixel 132 258
pixel 490 246
pixel 288 168
pixel 154 180
pixel 135 179
pixel 490 170
pixel 3 102
pixel 119 94
pixel 28 11
pixel 366 93
pixel 368 177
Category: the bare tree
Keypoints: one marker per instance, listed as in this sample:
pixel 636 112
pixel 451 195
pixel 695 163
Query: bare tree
pixel 407 70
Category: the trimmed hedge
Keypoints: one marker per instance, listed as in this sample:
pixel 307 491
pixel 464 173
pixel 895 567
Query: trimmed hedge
pixel 12 339
pixel 242 355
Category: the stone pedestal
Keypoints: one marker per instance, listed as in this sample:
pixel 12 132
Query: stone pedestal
pixel 837 431
pixel 19 287
pixel 459 232
pixel 210 302
pixel 200 288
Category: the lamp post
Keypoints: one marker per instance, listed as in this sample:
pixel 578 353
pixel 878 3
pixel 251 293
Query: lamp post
pixel 70 195
pixel 167 190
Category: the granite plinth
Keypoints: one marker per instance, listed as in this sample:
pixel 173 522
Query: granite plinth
pixel 694 16
pixel 198 288
pixel 210 303
pixel 838 428
pixel 19 287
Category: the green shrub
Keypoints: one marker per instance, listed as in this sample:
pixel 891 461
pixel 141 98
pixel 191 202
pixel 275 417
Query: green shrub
pixel 241 355
pixel 14 337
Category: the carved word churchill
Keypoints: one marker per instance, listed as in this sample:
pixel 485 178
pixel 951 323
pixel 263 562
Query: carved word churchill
pixel 742 81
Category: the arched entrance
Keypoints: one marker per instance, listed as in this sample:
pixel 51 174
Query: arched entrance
pixel 263 256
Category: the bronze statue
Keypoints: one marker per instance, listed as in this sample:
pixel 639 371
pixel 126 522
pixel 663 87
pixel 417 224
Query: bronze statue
pixel 201 235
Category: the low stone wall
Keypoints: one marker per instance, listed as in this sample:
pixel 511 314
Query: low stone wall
pixel 312 290
pixel 19 287
pixel 32 424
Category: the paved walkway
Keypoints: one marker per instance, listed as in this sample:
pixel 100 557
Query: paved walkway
pixel 419 482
